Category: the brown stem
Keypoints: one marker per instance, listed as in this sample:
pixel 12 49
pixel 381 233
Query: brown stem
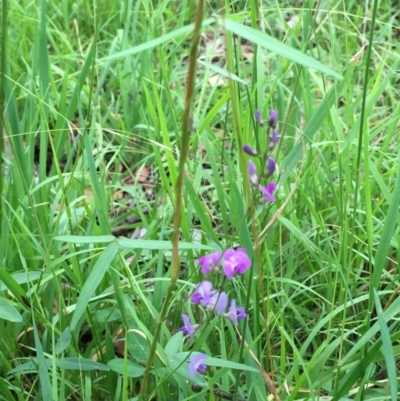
pixel 190 85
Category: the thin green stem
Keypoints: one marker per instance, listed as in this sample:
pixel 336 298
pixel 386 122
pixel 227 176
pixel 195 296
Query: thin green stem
pixel 3 54
pixel 360 148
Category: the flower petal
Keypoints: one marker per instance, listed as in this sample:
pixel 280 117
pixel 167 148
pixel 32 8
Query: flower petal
pixel 235 262
pixel 209 262
pixel 235 313
pixel 196 364
pixel 187 328
pixel 201 294
pixel 273 118
pixel 258 117
pixel 218 302
pixel 267 192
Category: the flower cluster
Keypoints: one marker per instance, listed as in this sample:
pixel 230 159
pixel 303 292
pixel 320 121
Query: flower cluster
pixel 268 163
pixel 233 262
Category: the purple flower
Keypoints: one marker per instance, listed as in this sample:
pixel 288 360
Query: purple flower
pixel 253 172
pixel 271 166
pixel 235 313
pixel 201 294
pixel 235 262
pixel 249 150
pixel 188 328
pixel 257 116
pixel 267 192
pixel 273 118
pixel 274 139
pixel 209 262
pixel 196 364
pixel 218 301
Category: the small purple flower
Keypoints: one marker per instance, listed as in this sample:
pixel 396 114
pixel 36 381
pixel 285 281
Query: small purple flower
pixel 249 150
pixel 235 262
pixel 273 118
pixel 267 192
pixel 253 172
pixel 274 139
pixel 218 301
pixel 209 262
pixel 258 117
pixel 271 166
pixel 235 313
pixel 196 364
pixel 201 294
pixel 188 328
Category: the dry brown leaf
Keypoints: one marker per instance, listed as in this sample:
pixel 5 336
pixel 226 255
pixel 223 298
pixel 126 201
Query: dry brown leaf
pixel 142 174
pixel 357 56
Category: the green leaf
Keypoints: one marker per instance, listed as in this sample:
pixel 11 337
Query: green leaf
pixel 388 231
pixel 19 278
pixel 174 343
pixel 223 363
pixel 12 285
pixel 387 348
pixel 5 390
pixel 159 245
pixel 96 275
pixel 138 346
pixel 77 363
pixel 275 46
pixel 63 341
pixel 78 239
pixel 311 129
pixel 31 366
pixel 184 31
pixel 179 364
pixel 42 367
pixel 9 312
pixel 68 363
pixel 133 368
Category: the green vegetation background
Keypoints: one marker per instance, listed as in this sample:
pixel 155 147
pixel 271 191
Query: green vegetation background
pixel 92 99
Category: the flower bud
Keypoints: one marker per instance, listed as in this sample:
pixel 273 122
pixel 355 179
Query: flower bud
pixel 274 139
pixel 273 118
pixel 271 166
pixel 249 150
pixel 257 116
pixel 253 172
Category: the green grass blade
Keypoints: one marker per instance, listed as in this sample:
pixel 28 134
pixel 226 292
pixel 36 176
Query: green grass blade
pixel 387 348
pixel 389 227
pixel 274 46
pixel 317 119
pixel 42 362
pixel 96 275
pixel 184 31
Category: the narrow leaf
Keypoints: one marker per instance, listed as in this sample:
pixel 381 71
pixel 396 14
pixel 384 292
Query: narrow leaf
pixel 387 348
pixel 312 127
pixel 184 31
pixel 118 365
pixel 275 46
pixel 76 363
pixel 93 239
pixel 388 230
pixel 93 281
pixel 159 245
